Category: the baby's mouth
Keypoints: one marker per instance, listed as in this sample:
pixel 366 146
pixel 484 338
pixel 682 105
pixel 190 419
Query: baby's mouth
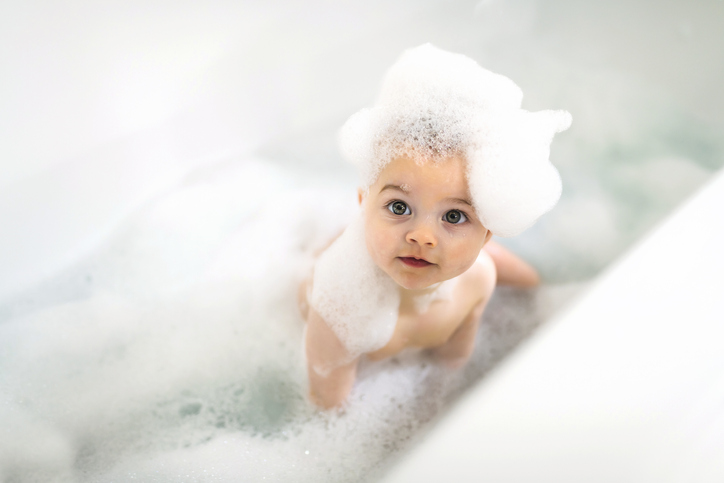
pixel 415 262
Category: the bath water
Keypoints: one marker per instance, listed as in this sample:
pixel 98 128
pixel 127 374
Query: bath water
pixel 171 351
pixel 180 359
pixel 176 352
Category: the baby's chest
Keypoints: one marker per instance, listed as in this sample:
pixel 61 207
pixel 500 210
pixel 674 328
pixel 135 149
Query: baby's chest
pixel 429 329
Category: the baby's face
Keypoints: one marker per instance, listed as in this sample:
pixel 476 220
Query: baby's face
pixel 420 226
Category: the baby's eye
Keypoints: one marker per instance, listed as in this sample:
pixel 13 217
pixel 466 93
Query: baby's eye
pixel 455 217
pixel 399 208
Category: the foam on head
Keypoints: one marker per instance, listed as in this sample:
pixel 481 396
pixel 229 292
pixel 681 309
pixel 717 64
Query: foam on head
pixel 434 104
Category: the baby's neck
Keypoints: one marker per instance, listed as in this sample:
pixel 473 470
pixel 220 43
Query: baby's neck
pixel 419 300
pixel 408 294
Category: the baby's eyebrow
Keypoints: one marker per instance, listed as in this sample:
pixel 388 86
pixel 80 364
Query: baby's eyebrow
pixel 460 200
pixel 405 189
pixel 395 187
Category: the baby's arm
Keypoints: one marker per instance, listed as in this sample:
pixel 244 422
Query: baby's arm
pixel 512 270
pixel 331 369
pixel 480 284
pixel 455 352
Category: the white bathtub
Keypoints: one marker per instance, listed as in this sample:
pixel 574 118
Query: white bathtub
pixel 106 107
pixel 626 385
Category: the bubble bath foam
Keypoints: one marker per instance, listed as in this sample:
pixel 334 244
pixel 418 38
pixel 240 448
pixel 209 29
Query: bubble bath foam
pixel 153 241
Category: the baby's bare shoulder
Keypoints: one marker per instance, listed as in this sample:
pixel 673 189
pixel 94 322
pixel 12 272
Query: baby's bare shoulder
pixel 479 279
pixel 476 285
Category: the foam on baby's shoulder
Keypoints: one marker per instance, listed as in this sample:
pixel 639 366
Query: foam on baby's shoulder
pixel 435 104
pixel 356 299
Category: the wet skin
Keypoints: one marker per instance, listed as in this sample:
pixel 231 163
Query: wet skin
pixel 420 226
pixel 420 229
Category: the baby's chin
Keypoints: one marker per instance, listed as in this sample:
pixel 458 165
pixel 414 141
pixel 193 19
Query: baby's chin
pixel 417 283
pixel 422 282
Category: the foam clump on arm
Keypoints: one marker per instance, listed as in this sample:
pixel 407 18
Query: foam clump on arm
pixel 435 104
pixel 354 309
pixel 355 298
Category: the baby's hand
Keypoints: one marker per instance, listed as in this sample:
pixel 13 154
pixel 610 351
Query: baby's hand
pixel 331 369
pixel 450 359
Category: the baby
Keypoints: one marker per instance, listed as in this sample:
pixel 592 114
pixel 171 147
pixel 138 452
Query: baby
pixel 447 159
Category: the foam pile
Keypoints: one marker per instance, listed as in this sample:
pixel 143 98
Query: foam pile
pixel 354 296
pixel 180 357
pixel 434 104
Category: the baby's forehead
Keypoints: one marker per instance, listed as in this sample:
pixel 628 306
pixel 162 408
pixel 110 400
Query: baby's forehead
pixel 408 174
pixel 415 165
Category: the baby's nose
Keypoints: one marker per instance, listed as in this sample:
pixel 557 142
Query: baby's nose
pixel 422 233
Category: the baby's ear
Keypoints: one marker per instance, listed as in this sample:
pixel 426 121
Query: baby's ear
pixel 488 236
pixel 360 195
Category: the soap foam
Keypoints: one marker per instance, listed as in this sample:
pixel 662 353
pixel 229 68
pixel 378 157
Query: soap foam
pixel 181 359
pixel 356 299
pixel 435 104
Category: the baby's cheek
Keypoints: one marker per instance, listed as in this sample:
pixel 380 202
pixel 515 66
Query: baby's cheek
pixel 377 245
pixel 383 236
pixel 463 257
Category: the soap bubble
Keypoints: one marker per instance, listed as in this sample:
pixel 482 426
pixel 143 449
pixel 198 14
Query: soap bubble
pixel 435 104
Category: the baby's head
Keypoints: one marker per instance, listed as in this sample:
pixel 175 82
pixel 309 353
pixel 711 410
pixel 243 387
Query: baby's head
pixel 420 225
pixel 449 145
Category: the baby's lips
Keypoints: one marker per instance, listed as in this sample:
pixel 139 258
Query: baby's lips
pixel 415 262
